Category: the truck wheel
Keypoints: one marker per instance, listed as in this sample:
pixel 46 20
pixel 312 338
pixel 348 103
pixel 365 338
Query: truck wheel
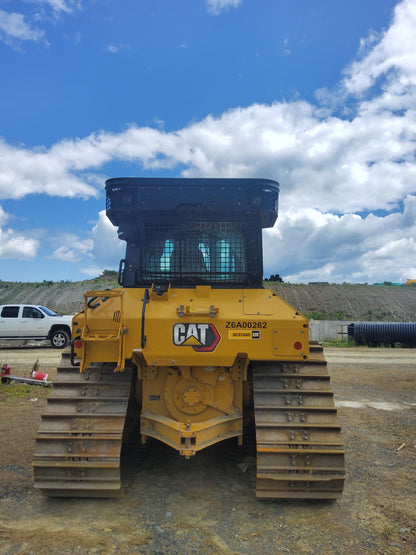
pixel 59 339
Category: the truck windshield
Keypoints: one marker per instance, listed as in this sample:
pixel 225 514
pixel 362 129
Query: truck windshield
pixel 48 311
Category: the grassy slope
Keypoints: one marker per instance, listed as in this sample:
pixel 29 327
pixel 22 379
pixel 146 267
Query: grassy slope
pixel 63 297
pixel 351 302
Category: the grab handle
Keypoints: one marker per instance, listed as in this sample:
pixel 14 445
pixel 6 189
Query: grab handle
pixel 186 311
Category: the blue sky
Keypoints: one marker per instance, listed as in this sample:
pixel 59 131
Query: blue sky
pixel 320 96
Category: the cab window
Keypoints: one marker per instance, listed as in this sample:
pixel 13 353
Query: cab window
pixel 10 312
pixel 31 312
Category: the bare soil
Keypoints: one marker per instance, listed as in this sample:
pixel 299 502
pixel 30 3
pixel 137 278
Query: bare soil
pixel 208 504
pixel 355 302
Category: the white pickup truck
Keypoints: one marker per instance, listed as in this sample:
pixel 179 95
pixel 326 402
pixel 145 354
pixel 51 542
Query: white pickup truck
pixel 27 321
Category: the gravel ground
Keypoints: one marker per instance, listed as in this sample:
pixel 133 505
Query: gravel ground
pixel 207 504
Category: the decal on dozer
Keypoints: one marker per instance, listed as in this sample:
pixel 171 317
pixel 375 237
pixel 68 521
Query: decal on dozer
pixel 201 337
pixel 249 334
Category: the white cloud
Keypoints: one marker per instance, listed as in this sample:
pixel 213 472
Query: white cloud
pixel 311 246
pixel 286 49
pixel 14 244
pixel 17 27
pixel 116 48
pixel 13 27
pixel 93 271
pixel 101 251
pixel 72 248
pixel 61 6
pixel 392 56
pixel 24 171
pixel 215 7
pixel 3 216
pixel 107 248
pixel 17 246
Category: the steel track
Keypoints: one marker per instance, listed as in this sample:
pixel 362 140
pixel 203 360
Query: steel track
pixel 300 452
pixel 78 445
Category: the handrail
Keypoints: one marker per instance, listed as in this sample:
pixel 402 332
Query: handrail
pixel 186 311
pixel 146 299
pixel 87 336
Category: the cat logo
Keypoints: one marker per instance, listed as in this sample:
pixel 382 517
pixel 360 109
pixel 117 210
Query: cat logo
pixel 201 337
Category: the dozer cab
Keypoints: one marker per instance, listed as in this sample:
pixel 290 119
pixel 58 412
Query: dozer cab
pixel 191 346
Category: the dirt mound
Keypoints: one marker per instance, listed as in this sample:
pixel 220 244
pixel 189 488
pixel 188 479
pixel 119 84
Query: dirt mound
pixel 385 303
pixel 64 297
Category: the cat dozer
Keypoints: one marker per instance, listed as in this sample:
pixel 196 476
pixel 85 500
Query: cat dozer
pixel 192 347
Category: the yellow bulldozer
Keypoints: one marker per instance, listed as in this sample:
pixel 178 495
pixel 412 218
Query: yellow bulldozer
pixel 192 348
